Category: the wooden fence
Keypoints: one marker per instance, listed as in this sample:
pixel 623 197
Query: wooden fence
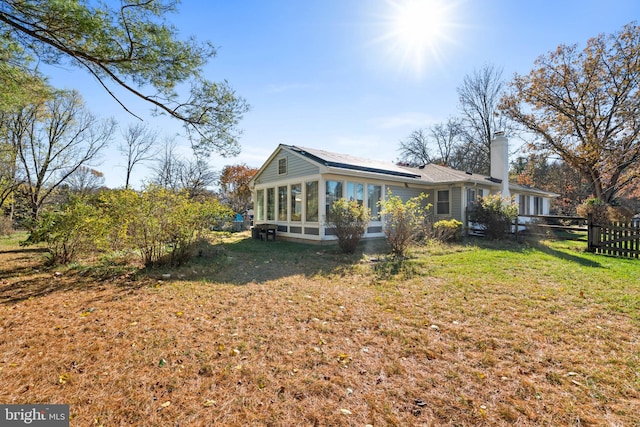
pixel 617 239
pixel 546 224
pixel 538 225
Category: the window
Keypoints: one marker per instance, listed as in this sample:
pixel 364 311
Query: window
pixel 442 207
pixel 271 204
pixel 471 196
pixel 537 206
pixel 296 202
pixel 374 195
pixel 260 205
pixel 523 205
pixel 334 192
pixel 312 201
pixel 282 203
pixel 355 191
pixel 282 166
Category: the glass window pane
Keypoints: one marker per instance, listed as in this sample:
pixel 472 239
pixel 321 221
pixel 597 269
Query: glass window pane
pixel 296 202
pixel 260 205
pixel 334 192
pixel 374 195
pixel 443 202
pixel 282 166
pixel 355 192
pixel 282 203
pixel 271 204
pixel 312 201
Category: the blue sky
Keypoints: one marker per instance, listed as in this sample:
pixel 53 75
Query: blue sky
pixel 338 75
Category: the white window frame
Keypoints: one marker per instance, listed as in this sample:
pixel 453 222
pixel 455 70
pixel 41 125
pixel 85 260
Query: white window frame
pixel 439 203
pixel 283 166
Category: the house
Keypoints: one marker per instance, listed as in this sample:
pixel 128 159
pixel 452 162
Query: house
pixel 296 187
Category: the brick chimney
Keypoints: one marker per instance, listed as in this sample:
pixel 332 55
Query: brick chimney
pixel 500 161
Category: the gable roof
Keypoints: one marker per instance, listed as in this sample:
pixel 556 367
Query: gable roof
pixel 427 174
pixel 345 161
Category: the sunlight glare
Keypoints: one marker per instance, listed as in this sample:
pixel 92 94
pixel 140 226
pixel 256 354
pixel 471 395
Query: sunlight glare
pixel 418 29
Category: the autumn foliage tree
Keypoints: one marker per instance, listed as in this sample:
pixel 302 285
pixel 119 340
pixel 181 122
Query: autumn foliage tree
pixel 234 186
pixel 583 106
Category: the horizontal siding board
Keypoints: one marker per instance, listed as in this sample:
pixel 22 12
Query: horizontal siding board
pixel 405 193
pixel 296 167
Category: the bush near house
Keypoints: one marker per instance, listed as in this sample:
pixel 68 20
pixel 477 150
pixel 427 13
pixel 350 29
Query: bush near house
pixel 403 221
pixel 494 214
pixel 447 230
pixel 349 221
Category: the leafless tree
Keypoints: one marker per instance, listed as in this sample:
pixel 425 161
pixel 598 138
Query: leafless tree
pixel 179 174
pixel 196 176
pixel 415 149
pixel 166 171
pixel 479 97
pixel 442 143
pixel 137 147
pixel 52 139
pixel 447 138
pixel 85 180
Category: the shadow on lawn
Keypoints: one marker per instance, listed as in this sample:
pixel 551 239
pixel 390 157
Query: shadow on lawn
pixel 567 256
pixel 250 260
pixel 513 246
pixel 29 276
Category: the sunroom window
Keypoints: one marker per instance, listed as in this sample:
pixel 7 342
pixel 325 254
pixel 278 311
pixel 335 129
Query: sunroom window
pixel 355 192
pixel 271 204
pixel 374 195
pixel 296 202
pixel 312 201
pixel 334 192
pixel 260 205
pixel 282 203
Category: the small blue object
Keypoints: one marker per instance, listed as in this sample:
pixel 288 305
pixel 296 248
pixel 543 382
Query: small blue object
pixel 239 218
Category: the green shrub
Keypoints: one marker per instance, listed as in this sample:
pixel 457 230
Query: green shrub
pixel 494 215
pixel 447 230
pixel 403 221
pixel 349 221
pixel 74 229
pixel 161 226
pixel 165 225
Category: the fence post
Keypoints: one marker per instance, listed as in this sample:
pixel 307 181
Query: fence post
pixel 590 234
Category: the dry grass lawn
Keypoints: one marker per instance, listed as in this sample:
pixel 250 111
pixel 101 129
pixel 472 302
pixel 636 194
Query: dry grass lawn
pixel 284 334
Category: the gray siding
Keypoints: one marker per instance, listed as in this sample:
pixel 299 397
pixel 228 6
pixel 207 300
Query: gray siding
pixel 456 203
pixel 405 193
pixel 295 167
